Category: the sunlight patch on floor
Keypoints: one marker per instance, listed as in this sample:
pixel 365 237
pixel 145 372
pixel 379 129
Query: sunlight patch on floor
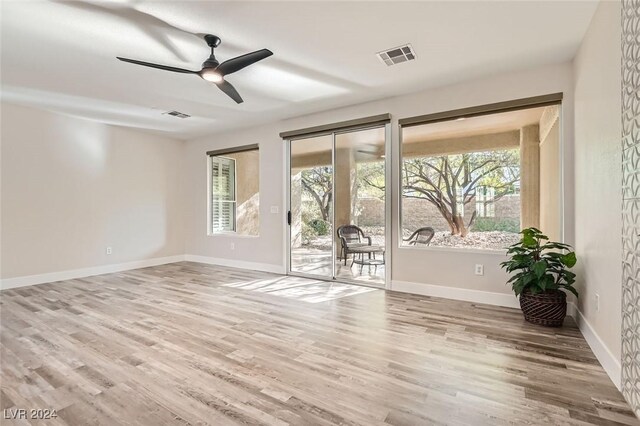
pixel 302 289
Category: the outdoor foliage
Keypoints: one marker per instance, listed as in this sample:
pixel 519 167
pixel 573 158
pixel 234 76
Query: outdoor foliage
pixel 312 226
pixel 321 227
pixel 539 265
pixel 317 182
pixel 450 182
pixel 502 224
pixel 371 179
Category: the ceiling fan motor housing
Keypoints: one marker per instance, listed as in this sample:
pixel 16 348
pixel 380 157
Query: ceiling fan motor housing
pixel 212 41
pixel 212 62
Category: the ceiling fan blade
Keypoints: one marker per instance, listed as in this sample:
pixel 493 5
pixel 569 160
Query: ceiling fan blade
pixel 239 62
pixel 231 91
pixel 160 67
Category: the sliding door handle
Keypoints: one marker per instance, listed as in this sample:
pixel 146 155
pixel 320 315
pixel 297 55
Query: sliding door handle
pixel 289 217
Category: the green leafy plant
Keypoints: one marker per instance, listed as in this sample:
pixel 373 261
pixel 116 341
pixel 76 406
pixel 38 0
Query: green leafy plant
pixel 540 265
pixel 320 226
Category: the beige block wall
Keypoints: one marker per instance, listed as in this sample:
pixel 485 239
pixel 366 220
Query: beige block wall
pixel 72 187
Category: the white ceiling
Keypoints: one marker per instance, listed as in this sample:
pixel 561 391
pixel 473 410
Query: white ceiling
pixel 61 56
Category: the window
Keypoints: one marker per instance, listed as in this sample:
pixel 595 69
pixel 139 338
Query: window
pixel 475 182
pixel 234 203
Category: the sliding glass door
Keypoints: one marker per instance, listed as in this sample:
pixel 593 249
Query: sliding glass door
pixel 359 205
pixel 338 206
pixel 311 206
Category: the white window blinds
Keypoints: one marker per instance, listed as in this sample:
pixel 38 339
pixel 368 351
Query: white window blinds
pixel 223 194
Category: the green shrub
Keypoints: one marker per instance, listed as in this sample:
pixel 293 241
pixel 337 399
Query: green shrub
pixel 319 226
pixel 504 224
pixel 308 233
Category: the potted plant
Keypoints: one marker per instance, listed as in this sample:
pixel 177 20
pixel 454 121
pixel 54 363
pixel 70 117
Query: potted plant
pixel 540 273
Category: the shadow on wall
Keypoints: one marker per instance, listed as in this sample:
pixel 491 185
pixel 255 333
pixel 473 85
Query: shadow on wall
pixel 87 144
pixel 248 220
pixel 247 192
pixel 81 187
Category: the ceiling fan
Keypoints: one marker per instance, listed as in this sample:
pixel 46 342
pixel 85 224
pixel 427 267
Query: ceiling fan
pixel 212 70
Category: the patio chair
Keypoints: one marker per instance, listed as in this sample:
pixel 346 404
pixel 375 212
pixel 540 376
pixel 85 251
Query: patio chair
pixel 351 237
pixel 422 237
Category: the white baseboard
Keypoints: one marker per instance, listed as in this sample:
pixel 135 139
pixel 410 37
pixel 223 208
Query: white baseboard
pixel 253 266
pixel 455 293
pixel 608 361
pixel 8 283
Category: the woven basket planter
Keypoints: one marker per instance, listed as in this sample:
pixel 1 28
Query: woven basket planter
pixel 548 308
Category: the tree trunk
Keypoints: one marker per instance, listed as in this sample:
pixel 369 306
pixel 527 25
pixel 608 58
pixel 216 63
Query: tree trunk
pixel 460 228
pixel 325 212
pixel 472 220
pixel 449 218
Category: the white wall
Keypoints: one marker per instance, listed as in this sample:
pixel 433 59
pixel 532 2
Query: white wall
pixel 411 266
pixel 72 187
pixel 598 175
pixel 265 249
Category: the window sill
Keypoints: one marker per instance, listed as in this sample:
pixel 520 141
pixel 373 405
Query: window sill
pixel 458 250
pixel 230 234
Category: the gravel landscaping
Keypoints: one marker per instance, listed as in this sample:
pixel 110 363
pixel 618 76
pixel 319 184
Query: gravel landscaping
pixel 493 240
pixel 488 240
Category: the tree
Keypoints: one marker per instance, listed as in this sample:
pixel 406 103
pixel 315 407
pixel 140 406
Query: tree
pixel 371 179
pixel 317 182
pixel 450 182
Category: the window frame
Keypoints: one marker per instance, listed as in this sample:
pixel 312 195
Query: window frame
pixel 224 153
pixel 452 115
pixel 233 202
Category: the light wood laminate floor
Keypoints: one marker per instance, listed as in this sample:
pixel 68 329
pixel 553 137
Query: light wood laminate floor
pixel 188 343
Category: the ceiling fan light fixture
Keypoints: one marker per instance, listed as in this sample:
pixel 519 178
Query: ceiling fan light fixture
pixel 212 70
pixel 211 75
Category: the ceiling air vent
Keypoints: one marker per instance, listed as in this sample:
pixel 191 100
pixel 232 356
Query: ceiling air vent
pixel 178 114
pixel 397 55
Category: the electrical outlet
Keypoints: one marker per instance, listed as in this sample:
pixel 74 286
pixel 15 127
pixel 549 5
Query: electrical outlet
pixel 109 250
pixel 479 269
pixel 232 246
pixel 274 209
pixel 597 302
